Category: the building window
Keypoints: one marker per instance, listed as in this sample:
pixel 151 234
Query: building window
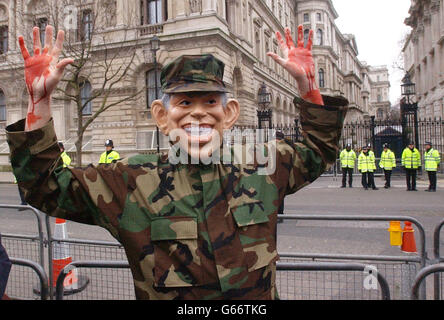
pixel 41 24
pixel 2 106
pixel 150 83
pixel 318 16
pixel 152 11
pixel 321 78
pixel 380 114
pixel 379 98
pixel 257 42
pixel 306 17
pixel 85 95
pixel 319 37
pixel 86 28
pixel 3 39
pixel 227 11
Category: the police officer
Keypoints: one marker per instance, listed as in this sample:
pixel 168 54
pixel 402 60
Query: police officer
pixel 432 160
pixel 109 155
pixel 66 159
pixel 367 166
pixel 387 163
pixel 348 158
pixel 411 161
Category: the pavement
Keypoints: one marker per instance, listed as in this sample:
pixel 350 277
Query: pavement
pixel 398 181
pixel 6 177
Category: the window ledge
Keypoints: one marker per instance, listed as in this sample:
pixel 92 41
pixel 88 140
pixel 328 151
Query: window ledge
pixel 150 29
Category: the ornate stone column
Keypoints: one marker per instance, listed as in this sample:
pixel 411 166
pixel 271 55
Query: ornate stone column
pixel 121 13
pixel 12 26
pixel 195 7
pixel 208 6
pixel 180 9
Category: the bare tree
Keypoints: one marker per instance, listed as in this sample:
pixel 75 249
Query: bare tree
pixel 394 114
pixel 398 64
pixel 94 52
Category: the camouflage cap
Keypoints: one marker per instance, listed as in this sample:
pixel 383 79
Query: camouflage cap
pixel 192 73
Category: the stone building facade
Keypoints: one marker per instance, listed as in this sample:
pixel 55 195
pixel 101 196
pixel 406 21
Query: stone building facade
pixel 239 32
pixel 424 55
pixel 380 92
pixel 340 72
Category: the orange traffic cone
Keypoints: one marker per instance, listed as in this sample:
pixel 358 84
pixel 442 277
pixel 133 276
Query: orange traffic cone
pixel 61 258
pixel 408 238
pixel 60 255
pixel 73 283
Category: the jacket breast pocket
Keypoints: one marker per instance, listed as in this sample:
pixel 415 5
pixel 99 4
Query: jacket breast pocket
pixel 176 257
pixel 256 233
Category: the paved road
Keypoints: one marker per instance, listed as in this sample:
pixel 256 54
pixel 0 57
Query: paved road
pixel 325 197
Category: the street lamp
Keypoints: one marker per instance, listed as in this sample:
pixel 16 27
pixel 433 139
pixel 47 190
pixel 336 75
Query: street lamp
pixel 155 44
pixel 408 108
pixel 264 100
pixel 407 87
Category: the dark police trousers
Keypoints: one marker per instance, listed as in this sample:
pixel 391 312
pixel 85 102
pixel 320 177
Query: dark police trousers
pixel 368 180
pixel 346 171
pixel 388 175
pixel 410 178
pixel 432 180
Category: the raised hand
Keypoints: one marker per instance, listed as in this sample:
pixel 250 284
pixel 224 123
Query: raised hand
pixel 43 71
pixel 298 61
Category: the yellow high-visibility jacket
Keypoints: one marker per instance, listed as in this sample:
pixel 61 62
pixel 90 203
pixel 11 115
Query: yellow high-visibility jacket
pixel 411 159
pixel 388 160
pixel 366 163
pixel 347 158
pixel 66 159
pixel 431 160
pixel 113 155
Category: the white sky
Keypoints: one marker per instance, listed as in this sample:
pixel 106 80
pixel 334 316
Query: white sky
pixel 378 26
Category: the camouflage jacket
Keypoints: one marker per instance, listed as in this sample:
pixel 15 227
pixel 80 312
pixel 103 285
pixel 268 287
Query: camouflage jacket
pixel 189 231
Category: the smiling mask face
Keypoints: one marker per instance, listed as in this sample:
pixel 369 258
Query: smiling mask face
pixel 195 111
pixel 196 120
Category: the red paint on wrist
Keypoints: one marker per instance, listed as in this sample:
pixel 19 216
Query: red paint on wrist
pixel 314 96
pixel 36 67
pixel 31 118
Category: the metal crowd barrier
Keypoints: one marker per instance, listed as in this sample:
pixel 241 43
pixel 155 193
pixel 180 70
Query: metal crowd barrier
pixel 96 250
pixel 438 259
pixel 422 274
pixel 99 251
pixel 26 240
pixel 86 264
pixel 331 266
pixel 407 262
pixel 27 250
pixel 38 269
pixel 385 290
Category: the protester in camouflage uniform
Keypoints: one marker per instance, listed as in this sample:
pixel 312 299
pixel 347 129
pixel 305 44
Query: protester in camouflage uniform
pixel 190 231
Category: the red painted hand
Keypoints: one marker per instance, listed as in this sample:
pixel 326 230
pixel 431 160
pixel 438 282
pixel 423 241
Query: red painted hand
pixel 298 61
pixel 42 74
